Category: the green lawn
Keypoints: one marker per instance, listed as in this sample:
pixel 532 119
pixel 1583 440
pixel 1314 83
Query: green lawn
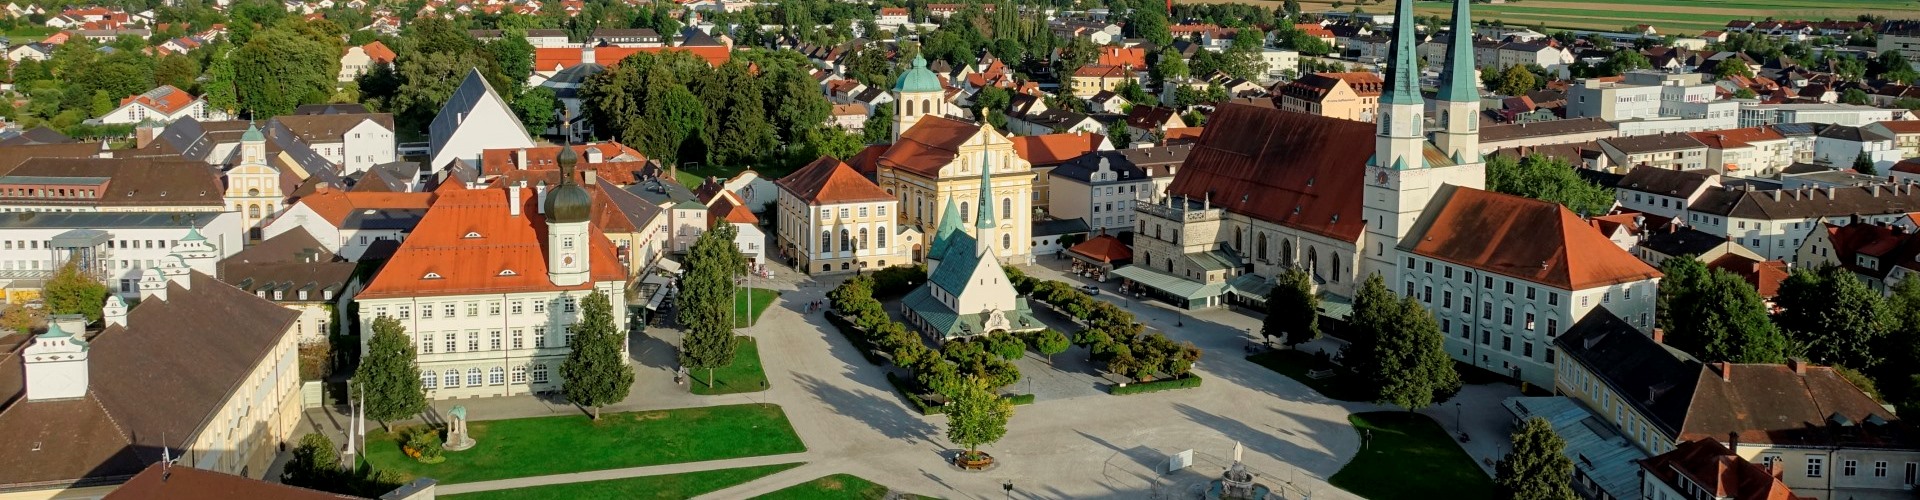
pixel 751 302
pixel 1409 457
pixel 664 487
pixel 573 443
pixel 1295 365
pixel 834 487
pixel 744 375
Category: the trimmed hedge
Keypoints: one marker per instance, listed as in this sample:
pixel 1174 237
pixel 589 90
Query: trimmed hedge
pixel 905 387
pixel 1021 399
pixel 857 337
pixel 1190 381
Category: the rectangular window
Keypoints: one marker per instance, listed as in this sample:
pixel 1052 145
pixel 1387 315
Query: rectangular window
pixel 567 303
pixel 519 338
pixel 473 309
pixel 1429 268
pixel 1815 466
pixel 1486 337
pixel 1849 468
pixel 1606 298
pixel 1913 473
pixel 1526 349
pixel 1409 262
pixel 516 308
pixel 426 343
pixel 1553 298
pixel 493 340
pixel 1553 327
pixel 1529 293
pixel 1486 311
pixel 1486 282
pixel 1529 322
pixel 1506 343
pixel 453 342
pixel 1449 272
pixel 539 307
pixel 473 341
pixel 539 337
pixel 448 309
pixel 403 311
pixel 1426 294
pixel 1509 288
pixel 1446 299
pixel 426 311
pixel 1880 469
pixel 1506 317
pixel 493 308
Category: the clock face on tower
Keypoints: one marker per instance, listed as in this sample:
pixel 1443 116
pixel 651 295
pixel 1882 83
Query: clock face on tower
pixel 566 260
pixel 1381 177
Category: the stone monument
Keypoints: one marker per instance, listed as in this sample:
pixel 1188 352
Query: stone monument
pixel 457 437
pixel 1237 483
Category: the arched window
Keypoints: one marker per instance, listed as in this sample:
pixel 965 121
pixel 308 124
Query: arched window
pixel 1006 208
pixel 429 379
pixel 826 241
pixel 1286 252
pixel 880 238
pixel 1006 242
pixel 863 239
pixel 846 241
pixel 451 379
pixel 963 211
pixel 1313 258
pixel 253 192
pixel 1336 268
pixel 909 108
pixel 1260 246
pixel 1237 238
pixel 496 376
pixel 253 210
pixel 926 105
pixel 473 377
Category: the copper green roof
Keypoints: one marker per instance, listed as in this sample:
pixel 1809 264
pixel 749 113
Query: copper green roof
pixel 1403 66
pixel 1458 79
pixel 253 134
pixel 918 78
pixel 949 227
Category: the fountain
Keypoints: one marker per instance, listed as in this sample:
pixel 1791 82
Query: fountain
pixel 1236 483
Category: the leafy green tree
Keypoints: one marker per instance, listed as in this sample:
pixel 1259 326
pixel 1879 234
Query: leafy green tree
pixel 1050 342
pixel 1397 349
pixel 74 291
pixel 1833 314
pixel 1625 60
pixel 280 68
pixel 1119 133
pixel 1730 68
pixel 388 377
pixel 1152 25
pixel 1550 179
pixel 515 56
pixel 1725 319
pixel 596 372
pixel 1855 96
pixel 977 416
pixel 314 465
pixel 101 104
pixel 879 127
pixel 707 300
pixel 537 109
pixel 1745 93
pixel 1537 468
pixel 1168 66
pixel 177 70
pixel 1516 81
pixel 1293 310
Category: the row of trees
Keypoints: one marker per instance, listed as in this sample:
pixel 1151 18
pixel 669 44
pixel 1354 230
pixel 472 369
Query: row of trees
pixel 1120 345
pixel 945 372
pixel 1547 178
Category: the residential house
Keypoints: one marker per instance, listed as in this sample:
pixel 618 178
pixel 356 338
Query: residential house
pixel 1752 152
pixel 1101 187
pixel 1095 78
pixel 163 104
pixel 358 60
pixel 855 221
pixel 294 270
pixel 1669 151
pixel 1147 122
pixel 1880 254
pixel 354 225
pixel 1838 146
pixel 729 208
pixel 1045 152
pixel 1707 466
pixel 1905 134
pixel 1347 96
pixel 1655 246
pixel 355 142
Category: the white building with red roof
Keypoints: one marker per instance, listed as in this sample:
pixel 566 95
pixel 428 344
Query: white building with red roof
pixel 163 104
pixel 489 282
pixel 832 219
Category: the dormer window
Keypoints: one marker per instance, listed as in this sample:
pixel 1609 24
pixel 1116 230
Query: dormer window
pixel 472 234
pixel 508 272
pixel 431 276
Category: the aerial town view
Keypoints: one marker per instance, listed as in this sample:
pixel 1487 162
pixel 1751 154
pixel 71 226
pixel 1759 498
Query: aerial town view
pixel 891 249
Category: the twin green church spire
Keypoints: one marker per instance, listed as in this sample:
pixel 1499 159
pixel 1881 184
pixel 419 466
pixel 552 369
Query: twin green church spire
pixel 1403 72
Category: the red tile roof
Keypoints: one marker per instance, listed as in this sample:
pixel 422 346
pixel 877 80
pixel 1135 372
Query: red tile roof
pixel 165 99
pixel 1785 404
pixel 441 246
pixel 728 207
pixel 181 482
pixel 931 143
pixel 336 204
pixel 1902 126
pixel 1133 58
pixel 1764 276
pixel 1293 169
pixel 551 58
pixel 829 181
pixel 1533 240
pixel 1104 248
pixel 1907 166
pixel 1723 473
pixel 1054 149
pixel 1099 71
pixel 494 161
pixel 1737 137
pixel 378 52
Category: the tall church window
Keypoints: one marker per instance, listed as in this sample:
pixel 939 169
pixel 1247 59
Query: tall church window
pixel 826 241
pixel 253 210
pixel 1006 241
pixel 963 211
pixel 1336 268
pixel 909 107
pixel 1006 208
pixel 926 106
pixel 1313 261
pixel 1260 246
pixel 1238 236
pixel 846 241
pixel 1286 252
pixel 863 238
pixel 880 238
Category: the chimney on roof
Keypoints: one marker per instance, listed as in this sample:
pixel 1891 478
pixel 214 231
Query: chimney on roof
pixel 513 200
pixel 586 54
pixel 1776 195
pixel 1876 190
pixel 105 150
pixel 1659 335
pixel 520 159
pixel 114 312
pixel 1733 443
pixel 1830 191
pixel 594 155
pixel 56 365
pixel 540 197
pixel 592 177
pixel 1724 369
pixel 1799 366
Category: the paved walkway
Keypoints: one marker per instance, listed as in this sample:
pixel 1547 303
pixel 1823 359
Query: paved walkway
pixel 853 422
pixel 601 475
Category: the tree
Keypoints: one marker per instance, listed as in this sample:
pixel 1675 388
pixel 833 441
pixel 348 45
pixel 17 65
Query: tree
pixel 977 416
pixel 388 377
pixel 1550 179
pixel 1854 96
pixel 596 372
pixel 23 319
pixel 1731 67
pixel 1833 314
pixel 1168 66
pixel 1293 310
pixel 1397 348
pixel 1516 81
pixel 1725 319
pixel 707 299
pixel 73 291
pixel 879 127
pixel 280 68
pixel 1864 164
pixel 515 56
pixel 1624 60
pixel 1538 467
pixel 314 464
pixel 537 109
pixel 1050 342
pixel 1292 7
pixel 1745 93
pixel 1119 133
pixel 177 70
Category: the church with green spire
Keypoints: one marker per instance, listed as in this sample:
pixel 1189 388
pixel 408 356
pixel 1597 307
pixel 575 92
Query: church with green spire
pixel 967 292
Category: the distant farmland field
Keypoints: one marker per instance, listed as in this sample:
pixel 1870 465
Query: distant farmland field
pixel 1684 17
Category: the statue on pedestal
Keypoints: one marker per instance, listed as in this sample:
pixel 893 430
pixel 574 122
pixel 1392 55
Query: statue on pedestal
pixel 457 437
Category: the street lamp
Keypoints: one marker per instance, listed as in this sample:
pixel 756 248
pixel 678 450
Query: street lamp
pixel 1008 485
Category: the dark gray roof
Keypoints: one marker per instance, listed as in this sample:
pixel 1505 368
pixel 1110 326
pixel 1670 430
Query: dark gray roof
pixel 1059 227
pixel 1548 128
pixel 469 94
pixel 1131 164
pixel 1807 203
pixel 661 191
pixel 1677 241
pixel 1653 143
pixel 395 177
pixel 289 262
pixel 1663 181
pixel 1654 378
pixel 195 140
pixel 1795 129
pixel 396 219
pixel 636 209
pixel 331 109
pixel 106 220
pixel 36 135
pixel 1851 133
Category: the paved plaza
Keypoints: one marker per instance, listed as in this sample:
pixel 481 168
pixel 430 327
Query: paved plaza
pixel 1074 442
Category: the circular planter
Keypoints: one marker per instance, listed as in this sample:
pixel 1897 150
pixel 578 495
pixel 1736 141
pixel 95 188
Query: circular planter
pixel 981 462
